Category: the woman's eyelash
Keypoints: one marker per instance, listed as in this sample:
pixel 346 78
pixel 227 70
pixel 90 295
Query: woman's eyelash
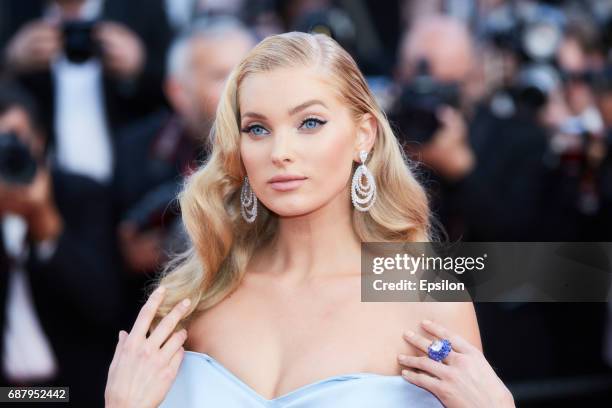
pixel 319 121
pixel 248 129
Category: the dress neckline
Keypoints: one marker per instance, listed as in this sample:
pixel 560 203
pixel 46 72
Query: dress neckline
pixel 296 392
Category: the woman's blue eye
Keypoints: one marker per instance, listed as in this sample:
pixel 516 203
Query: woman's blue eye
pixel 257 130
pixel 308 124
pixel 311 123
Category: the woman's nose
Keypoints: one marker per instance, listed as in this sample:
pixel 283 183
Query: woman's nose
pixel 282 147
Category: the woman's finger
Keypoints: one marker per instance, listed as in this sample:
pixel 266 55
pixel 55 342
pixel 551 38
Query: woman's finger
pixel 422 380
pixel 175 362
pixel 417 340
pixel 122 335
pixel 425 364
pixel 171 346
pixel 458 343
pixel 168 323
pixel 147 313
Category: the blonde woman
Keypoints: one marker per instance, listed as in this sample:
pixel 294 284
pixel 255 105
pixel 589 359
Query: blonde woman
pixel 267 302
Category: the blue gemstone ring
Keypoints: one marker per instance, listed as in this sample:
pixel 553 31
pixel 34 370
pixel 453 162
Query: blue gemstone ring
pixel 439 349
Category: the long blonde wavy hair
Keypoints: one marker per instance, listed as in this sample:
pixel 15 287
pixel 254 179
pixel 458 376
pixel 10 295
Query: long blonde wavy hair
pixel 221 241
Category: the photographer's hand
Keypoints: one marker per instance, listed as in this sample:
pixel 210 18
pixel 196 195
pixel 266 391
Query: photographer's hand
pixel 34 46
pixel 123 53
pixel 34 202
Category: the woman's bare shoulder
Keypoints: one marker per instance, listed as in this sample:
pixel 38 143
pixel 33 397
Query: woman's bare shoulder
pixel 458 317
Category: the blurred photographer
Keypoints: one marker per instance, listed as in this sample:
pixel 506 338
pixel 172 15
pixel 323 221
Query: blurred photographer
pixel 533 150
pixel 509 186
pixel 436 60
pixel 603 97
pixel 170 144
pixel 59 283
pixel 93 65
pixel 25 184
pixel 27 210
pixel 538 137
pixel 580 139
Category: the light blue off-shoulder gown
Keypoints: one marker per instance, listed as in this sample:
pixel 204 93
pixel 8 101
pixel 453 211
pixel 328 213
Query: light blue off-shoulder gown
pixel 203 382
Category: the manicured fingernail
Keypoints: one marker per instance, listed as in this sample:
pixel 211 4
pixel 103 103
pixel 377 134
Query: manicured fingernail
pixel 426 321
pixel 161 289
pixel 402 357
pixel 409 333
pixel 186 302
pixel 405 372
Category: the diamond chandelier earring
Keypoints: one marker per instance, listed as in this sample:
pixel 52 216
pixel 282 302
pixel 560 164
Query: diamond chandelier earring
pixel 363 195
pixel 248 202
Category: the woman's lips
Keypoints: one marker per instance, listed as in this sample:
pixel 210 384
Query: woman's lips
pixel 287 185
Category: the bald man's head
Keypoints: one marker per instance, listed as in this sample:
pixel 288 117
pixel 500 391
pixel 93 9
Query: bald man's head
pixel 444 42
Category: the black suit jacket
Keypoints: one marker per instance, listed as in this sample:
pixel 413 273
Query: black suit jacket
pixel 123 101
pixel 78 292
pixel 4 271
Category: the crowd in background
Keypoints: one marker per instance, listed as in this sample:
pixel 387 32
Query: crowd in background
pixel 106 105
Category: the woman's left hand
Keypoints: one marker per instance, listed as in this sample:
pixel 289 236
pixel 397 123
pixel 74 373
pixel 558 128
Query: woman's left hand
pixel 463 379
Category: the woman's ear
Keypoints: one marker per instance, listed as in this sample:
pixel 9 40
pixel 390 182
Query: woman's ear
pixel 367 131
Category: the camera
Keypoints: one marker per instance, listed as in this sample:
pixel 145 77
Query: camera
pixel 79 44
pixel 17 165
pixel 415 111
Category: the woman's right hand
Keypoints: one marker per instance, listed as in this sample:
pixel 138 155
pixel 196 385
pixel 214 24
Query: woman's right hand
pixel 143 368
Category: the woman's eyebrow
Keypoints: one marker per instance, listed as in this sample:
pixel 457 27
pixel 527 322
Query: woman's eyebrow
pixel 253 115
pixel 291 112
pixel 306 104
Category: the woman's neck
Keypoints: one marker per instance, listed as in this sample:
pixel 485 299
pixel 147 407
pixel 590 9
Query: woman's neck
pixel 315 245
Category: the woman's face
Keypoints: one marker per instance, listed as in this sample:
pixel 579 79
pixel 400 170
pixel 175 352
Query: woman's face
pixel 292 124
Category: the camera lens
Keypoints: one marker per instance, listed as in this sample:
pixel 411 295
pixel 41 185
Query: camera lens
pixel 79 45
pixel 17 165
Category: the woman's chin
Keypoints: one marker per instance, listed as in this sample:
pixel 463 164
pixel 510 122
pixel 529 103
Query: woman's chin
pixel 291 210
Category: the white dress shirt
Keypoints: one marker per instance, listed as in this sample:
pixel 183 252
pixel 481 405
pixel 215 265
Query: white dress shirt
pixel 27 354
pixel 83 142
pixel 83 145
